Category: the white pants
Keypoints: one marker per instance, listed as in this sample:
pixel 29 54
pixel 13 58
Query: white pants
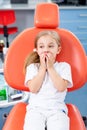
pixel 38 119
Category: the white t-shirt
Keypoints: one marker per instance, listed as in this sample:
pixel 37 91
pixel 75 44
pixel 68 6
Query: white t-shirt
pixel 48 96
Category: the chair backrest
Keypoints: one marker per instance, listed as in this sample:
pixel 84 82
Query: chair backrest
pixel 7 17
pixel 72 50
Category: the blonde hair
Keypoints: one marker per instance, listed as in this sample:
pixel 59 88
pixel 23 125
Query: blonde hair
pixel 33 57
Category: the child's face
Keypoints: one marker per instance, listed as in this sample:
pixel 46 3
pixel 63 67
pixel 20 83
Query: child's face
pixel 46 45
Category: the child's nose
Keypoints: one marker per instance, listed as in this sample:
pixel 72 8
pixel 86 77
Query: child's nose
pixel 46 52
pixel 46 49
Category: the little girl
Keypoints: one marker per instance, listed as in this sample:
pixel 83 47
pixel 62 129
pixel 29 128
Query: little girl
pixel 47 81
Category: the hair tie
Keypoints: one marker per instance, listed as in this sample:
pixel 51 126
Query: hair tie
pixel 34 50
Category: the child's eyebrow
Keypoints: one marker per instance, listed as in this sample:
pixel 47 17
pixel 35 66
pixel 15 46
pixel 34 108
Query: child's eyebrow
pixel 40 43
pixel 51 43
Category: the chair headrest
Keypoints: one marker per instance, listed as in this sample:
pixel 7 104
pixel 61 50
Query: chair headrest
pixel 46 15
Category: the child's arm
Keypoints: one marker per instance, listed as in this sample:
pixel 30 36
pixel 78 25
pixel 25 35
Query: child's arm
pixel 58 82
pixel 36 83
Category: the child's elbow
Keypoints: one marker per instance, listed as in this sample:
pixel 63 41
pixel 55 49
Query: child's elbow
pixel 61 89
pixel 32 90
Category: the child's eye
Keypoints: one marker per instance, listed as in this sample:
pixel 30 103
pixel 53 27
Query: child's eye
pixel 41 46
pixel 51 46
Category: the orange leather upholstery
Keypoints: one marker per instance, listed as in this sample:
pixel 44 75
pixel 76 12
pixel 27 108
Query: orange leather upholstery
pixel 49 19
pixel 15 119
pixel 76 122
pixel 72 52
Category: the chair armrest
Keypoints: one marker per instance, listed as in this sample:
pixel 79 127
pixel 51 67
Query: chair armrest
pixel 76 121
pixel 15 119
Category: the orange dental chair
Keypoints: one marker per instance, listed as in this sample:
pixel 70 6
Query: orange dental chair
pixel 46 18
